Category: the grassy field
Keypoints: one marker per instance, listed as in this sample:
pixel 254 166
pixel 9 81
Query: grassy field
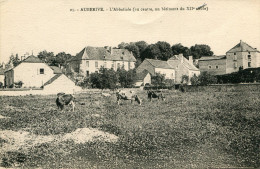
pixel 188 130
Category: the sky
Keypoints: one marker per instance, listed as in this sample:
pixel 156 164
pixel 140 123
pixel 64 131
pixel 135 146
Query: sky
pixel 36 25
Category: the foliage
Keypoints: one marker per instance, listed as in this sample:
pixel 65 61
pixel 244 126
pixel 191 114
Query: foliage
pixel 126 78
pixel 195 80
pixel 184 79
pixel 180 49
pixel 158 79
pixel 14 60
pixel 160 50
pixel 54 60
pixel 197 51
pixel 104 79
pixel 242 76
pixel 206 78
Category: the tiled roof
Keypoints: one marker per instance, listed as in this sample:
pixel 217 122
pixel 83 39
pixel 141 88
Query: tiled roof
pixel 185 62
pixel 212 57
pixel 242 47
pixel 141 75
pixel 56 70
pixel 101 53
pixel 52 79
pixel 32 59
pixel 159 64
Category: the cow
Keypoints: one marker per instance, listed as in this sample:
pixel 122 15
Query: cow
pixel 65 99
pixel 153 94
pixel 127 95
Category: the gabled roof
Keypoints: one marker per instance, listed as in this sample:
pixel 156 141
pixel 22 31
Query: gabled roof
pixel 52 79
pixel 32 59
pixel 242 47
pixel 142 75
pixel 56 70
pixel 101 53
pixel 203 58
pixel 159 64
pixel 185 62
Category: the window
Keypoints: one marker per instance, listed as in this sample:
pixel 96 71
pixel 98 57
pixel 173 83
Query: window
pixel 217 67
pixel 235 57
pixel 248 52
pixel 209 66
pixel 118 65
pixel 96 64
pixel 87 73
pixel 235 65
pixel 87 63
pixel 249 64
pixel 234 53
pixel 249 58
pixel 129 65
pixel 41 71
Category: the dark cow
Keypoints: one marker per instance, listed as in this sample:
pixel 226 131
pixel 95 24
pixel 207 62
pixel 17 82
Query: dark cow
pixel 127 95
pixel 153 94
pixel 65 99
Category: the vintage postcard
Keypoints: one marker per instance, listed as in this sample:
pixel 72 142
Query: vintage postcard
pixel 129 84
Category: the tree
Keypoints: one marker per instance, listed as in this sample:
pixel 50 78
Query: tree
pixel 126 78
pixel 122 45
pixel 14 60
pixel 161 51
pixel 61 59
pixel 185 79
pixel 195 80
pixel 180 49
pixel 206 78
pixel 158 79
pixel 133 48
pixel 105 78
pixel 47 57
pixel 198 51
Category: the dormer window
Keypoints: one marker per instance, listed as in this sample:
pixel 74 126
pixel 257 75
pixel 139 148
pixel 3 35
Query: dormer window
pixel 121 57
pixel 234 53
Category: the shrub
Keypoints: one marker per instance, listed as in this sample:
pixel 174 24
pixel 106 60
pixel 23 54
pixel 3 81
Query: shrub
pixel 206 78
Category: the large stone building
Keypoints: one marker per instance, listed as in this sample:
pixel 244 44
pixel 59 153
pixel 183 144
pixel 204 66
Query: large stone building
pixel 91 59
pixel 241 56
pixel 174 68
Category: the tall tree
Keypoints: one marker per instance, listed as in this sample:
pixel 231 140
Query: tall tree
pixel 14 60
pixel 180 49
pixel 197 51
pixel 161 51
pixel 47 57
pixel 62 58
pixel 133 48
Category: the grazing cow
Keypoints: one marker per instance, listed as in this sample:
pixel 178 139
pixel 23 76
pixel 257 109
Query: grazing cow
pixel 153 94
pixel 65 99
pixel 127 95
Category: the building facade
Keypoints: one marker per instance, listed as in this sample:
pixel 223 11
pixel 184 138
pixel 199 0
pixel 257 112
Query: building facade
pixel 215 65
pixel 241 56
pixel 157 66
pixel 91 59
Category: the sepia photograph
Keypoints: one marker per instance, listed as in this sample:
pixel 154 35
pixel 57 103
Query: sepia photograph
pixel 130 84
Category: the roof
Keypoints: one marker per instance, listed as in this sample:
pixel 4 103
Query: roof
pixel 101 53
pixel 52 79
pixel 32 59
pixel 203 58
pixel 56 70
pixel 185 62
pixel 159 64
pixel 242 47
pixel 142 75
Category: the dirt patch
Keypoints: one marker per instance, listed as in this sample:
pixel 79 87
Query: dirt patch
pixel 3 117
pixel 15 140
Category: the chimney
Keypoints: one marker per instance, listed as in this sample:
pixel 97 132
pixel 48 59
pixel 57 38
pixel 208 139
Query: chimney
pixel 191 59
pixel 111 50
pixel 181 57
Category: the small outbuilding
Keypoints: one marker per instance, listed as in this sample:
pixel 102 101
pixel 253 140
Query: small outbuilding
pixel 143 78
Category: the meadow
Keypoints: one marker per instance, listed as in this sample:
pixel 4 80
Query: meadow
pixel 188 130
